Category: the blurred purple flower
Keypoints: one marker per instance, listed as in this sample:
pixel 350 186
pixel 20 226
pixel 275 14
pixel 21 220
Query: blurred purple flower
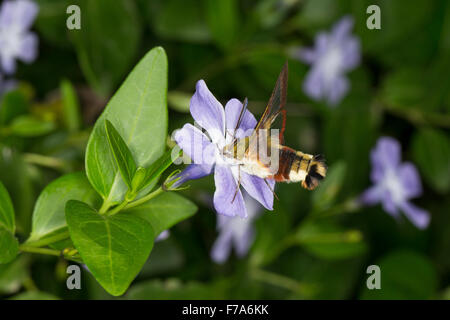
pixel 205 150
pixel 395 183
pixel 235 232
pixel 334 54
pixel 162 236
pixel 16 41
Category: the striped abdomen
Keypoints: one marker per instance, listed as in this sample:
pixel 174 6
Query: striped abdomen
pixel 296 166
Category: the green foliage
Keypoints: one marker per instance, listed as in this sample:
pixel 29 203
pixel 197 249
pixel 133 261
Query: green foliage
pixel 114 248
pixel 139 113
pixel 222 17
pixel 122 155
pixel 329 241
pixel 404 275
pixel 29 126
pixel 431 151
pixel 164 211
pixel 105 61
pixel 8 243
pixel 48 215
pixel 71 107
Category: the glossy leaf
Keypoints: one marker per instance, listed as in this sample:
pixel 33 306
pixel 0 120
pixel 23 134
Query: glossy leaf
pixel 122 155
pixel 164 211
pixel 48 214
pixel 139 113
pixel 114 248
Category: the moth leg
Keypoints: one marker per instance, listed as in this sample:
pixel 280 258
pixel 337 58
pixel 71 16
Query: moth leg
pixel 238 184
pixel 274 194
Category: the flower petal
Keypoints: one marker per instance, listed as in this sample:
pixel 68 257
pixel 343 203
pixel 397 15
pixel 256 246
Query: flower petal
pixel 232 112
pixel 192 172
pixel 351 53
pixel 342 28
pixel 386 155
pixel 208 112
pixel 337 90
pixel 8 64
pixel 245 240
pixel 225 192
pixel 371 196
pixel 196 144
pixel 222 246
pixel 419 217
pixel 313 84
pixel 388 203
pixel 410 180
pixel 18 15
pixel 28 48
pixel 162 236
pixel 258 189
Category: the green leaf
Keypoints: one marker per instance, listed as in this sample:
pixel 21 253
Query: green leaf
pixel 48 214
pixel 431 152
pixel 329 241
pixel 8 243
pixel 179 20
pixel 325 195
pixel 405 275
pixel 13 274
pixel 222 17
pixel 348 136
pixel 13 104
pixel 139 113
pixel 179 101
pixel 114 248
pixel 29 126
pixel 71 106
pixel 34 295
pixel 6 210
pixel 122 155
pixel 107 42
pixel 174 289
pixel 164 211
pixel 157 168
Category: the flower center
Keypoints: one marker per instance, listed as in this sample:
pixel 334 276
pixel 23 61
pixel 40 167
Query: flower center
pixel 331 63
pixel 392 183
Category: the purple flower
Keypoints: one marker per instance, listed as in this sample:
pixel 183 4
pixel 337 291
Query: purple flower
pixel 334 54
pixel 205 150
pixel 235 232
pixel 16 41
pixel 395 183
pixel 162 236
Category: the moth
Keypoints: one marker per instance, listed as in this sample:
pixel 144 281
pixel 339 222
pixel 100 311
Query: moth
pixel 263 153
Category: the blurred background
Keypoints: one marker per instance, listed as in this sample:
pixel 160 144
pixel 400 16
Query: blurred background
pixel 313 245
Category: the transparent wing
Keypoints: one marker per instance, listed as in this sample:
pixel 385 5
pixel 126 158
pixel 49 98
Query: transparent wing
pixel 276 105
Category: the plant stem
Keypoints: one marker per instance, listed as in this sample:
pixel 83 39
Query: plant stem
pixel 104 208
pixel 30 249
pixel 117 208
pixel 46 161
pixel 148 197
pixel 277 280
pixel 48 240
